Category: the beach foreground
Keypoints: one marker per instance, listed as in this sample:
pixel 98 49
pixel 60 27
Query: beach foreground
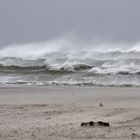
pixel 48 113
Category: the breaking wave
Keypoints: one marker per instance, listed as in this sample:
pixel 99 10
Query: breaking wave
pixel 67 62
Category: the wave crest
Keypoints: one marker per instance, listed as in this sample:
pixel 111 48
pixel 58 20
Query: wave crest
pixel 65 62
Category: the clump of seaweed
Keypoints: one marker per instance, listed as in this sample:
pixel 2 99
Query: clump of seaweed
pixel 93 124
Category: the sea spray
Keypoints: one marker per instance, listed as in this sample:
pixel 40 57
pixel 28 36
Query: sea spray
pixel 66 61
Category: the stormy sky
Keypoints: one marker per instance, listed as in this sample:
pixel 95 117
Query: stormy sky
pixel 23 21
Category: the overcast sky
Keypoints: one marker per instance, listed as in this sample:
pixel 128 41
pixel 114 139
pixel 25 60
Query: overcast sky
pixel 23 21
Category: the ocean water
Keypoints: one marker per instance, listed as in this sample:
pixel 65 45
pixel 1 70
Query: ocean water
pixel 65 63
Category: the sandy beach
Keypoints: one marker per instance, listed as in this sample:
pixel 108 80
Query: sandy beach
pixel 51 113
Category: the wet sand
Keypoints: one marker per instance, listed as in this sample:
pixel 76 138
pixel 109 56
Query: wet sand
pixel 50 113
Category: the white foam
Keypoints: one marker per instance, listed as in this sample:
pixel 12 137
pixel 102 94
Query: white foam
pixel 65 52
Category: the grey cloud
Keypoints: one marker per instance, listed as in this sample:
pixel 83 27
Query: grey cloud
pixel 37 20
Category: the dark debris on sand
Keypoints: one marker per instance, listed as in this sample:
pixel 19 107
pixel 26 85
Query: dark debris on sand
pixel 93 124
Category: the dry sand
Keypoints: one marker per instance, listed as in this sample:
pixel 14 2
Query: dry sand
pixel 45 113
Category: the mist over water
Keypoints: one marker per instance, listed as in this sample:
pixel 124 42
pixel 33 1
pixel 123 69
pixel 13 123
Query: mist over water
pixel 67 61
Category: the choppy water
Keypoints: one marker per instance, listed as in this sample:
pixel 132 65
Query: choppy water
pixel 65 63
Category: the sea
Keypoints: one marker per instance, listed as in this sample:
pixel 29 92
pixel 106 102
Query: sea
pixel 65 63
